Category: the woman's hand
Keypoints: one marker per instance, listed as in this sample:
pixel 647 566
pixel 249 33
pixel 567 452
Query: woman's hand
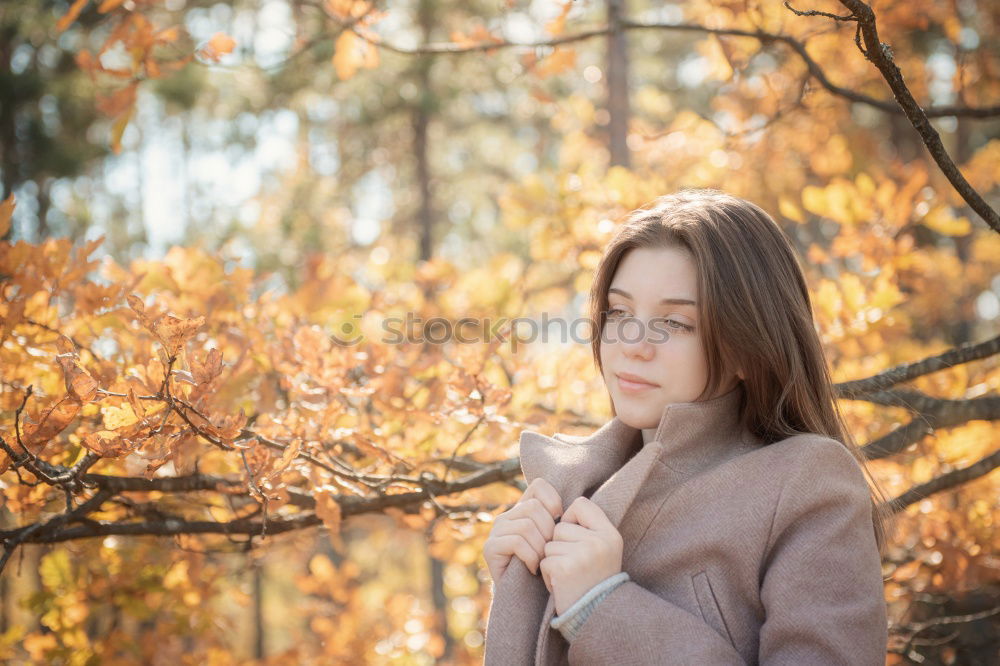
pixel 585 549
pixel 524 529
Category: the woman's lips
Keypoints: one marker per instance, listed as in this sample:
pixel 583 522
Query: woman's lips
pixel 633 386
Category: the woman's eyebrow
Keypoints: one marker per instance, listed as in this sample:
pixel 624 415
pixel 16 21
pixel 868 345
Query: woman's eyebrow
pixel 667 301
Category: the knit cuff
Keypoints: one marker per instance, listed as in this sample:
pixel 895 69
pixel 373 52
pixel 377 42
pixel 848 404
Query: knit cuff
pixel 572 619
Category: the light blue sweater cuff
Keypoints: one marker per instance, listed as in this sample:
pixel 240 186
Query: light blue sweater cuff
pixel 572 619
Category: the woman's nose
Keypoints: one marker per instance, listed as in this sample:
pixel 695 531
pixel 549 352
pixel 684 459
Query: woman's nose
pixel 634 336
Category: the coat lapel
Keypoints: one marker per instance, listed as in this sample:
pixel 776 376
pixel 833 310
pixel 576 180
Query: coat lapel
pixel 520 598
pixel 690 436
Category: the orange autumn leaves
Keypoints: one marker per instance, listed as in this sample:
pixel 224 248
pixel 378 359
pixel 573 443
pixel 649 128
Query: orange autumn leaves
pixel 355 47
pixel 129 412
pixel 217 46
pixel 170 331
pixel 142 43
pixel 32 436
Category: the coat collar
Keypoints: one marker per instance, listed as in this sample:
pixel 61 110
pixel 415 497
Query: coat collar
pixel 690 437
pixel 609 466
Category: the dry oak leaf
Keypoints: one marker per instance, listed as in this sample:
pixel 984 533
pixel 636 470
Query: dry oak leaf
pixel 205 372
pixel 53 421
pixel 118 417
pixel 328 510
pixel 80 386
pixel 174 332
pixel 217 46
pixel 107 444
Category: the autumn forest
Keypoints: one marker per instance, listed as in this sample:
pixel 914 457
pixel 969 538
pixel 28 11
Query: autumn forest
pixel 235 426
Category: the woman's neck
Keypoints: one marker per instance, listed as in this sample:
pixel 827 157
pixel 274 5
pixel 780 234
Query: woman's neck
pixel 647 434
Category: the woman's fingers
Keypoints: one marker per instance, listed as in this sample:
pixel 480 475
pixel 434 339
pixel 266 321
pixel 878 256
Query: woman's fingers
pixel 571 532
pixel 519 546
pixel 528 521
pixel 546 494
pixel 527 528
pixel 559 548
pixel 532 508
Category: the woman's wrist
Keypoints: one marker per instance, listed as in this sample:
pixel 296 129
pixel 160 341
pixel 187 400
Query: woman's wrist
pixel 573 618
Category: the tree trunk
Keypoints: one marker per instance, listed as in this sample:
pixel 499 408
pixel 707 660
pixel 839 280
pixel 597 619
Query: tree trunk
pixel 440 601
pixel 421 120
pixel 617 69
pixel 259 629
pixel 8 137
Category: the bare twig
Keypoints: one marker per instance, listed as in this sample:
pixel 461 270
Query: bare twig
pixel 880 54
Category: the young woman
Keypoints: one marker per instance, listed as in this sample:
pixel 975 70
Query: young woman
pixel 724 515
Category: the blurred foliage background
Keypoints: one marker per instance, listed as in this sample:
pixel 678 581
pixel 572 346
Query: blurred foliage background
pixel 263 175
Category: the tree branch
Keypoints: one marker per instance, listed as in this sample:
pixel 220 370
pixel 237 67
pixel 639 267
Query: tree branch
pixel 946 481
pixel 930 414
pixel 880 54
pixel 854 389
pixel 451 48
pixel 55 530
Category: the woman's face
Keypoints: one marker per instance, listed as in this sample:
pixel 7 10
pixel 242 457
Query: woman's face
pixel 668 363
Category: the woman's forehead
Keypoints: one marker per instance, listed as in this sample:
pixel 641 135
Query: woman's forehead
pixel 662 275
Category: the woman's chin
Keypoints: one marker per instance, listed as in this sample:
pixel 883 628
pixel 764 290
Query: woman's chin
pixel 637 418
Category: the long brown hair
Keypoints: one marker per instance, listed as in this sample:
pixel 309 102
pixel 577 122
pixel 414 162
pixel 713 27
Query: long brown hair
pixel 754 313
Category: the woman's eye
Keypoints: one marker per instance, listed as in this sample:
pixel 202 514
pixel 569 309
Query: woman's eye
pixel 616 313
pixel 673 323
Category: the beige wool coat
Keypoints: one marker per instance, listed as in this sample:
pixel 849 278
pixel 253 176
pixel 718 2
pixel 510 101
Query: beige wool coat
pixel 737 552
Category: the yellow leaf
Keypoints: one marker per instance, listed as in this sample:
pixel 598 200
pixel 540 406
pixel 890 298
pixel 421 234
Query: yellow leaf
pixel 287 456
pixel 827 299
pixel 328 510
pixel 106 444
pixel 174 332
pixel 136 304
pixel 719 67
pixel 39 646
pixel 108 5
pixel 79 384
pixel 347 9
pixel 322 568
pixel 865 184
pixel 788 209
pixel 118 417
pixel 814 200
pixel 83 387
pixel 65 345
pixel 6 212
pixel 177 576
pixel 168 35
pixel 217 46
pixel 71 15
pixel 351 52
pixel 118 129
pixel 557 25
pixel 137 407
pixel 53 421
pixel 817 255
pixel 205 373
pixel 939 219
pixel 557 62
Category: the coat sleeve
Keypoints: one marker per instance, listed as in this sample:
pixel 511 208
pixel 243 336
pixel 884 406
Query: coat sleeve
pixel 633 625
pixel 822 585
